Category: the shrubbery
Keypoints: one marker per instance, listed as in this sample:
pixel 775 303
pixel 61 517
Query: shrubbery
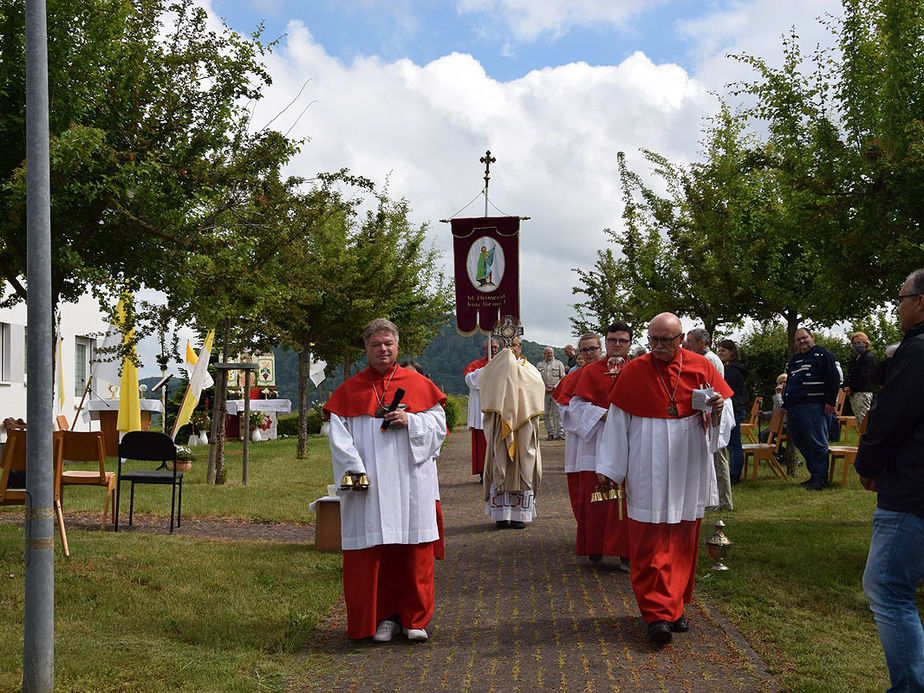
pixel 288 423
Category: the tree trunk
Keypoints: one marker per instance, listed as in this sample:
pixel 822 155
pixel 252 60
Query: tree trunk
pixel 304 355
pixel 220 448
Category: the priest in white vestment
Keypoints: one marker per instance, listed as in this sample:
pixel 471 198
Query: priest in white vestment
pixel 391 532
pixel 512 399
pixel 661 446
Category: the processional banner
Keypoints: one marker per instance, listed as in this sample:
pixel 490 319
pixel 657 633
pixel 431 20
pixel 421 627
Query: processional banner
pixel 487 272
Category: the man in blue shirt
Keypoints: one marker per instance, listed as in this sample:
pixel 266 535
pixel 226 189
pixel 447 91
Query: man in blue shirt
pixel 809 397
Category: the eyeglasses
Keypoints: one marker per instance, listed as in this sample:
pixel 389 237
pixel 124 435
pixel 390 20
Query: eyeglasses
pixel 617 340
pixel 589 350
pixel 663 340
pixel 902 297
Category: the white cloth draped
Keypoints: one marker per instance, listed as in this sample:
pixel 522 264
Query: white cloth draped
pixel 666 463
pixel 400 505
pixel 475 417
pixel 583 422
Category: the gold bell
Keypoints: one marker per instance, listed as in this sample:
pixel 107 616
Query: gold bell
pixel 597 496
pixel 612 493
pixel 346 483
pixel 361 483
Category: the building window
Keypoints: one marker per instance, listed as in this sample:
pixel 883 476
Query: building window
pixel 83 352
pixel 4 352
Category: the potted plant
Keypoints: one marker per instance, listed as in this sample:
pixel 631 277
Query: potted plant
pixel 184 459
pixel 259 422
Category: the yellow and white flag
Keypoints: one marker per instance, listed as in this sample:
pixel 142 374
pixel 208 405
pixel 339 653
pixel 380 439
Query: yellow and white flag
pixel 129 399
pixel 191 360
pixel 59 373
pixel 196 385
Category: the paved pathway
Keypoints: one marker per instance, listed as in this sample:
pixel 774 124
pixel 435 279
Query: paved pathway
pixel 518 611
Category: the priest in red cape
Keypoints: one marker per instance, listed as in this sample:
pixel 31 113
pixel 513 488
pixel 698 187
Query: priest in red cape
pixel 472 375
pixel 391 532
pixel 662 447
pixel 600 531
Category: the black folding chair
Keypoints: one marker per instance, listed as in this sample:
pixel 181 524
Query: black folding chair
pixel 150 446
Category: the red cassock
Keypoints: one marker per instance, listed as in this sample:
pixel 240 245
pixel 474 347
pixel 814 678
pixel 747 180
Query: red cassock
pixel 390 579
pixel 599 530
pixel 662 555
pixel 479 444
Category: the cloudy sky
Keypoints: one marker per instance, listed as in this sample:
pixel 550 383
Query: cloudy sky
pixel 414 91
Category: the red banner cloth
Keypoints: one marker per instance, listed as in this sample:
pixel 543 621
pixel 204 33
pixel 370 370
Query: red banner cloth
pixel 487 271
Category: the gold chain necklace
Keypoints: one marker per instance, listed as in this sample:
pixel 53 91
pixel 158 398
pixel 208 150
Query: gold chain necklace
pixel 672 407
pixel 380 411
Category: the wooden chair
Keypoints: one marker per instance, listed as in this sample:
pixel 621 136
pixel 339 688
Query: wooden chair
pixel 13 479
pixel 848 453
pixel 767 452
pixel 749 427
pixel 87 446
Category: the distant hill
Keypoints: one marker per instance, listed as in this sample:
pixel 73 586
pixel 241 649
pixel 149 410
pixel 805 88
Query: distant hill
pixel 443 360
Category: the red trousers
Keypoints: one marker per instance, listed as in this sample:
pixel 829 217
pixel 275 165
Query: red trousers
pixel 388 580
pixel 599 530
pixel 479 449
pixel 663 561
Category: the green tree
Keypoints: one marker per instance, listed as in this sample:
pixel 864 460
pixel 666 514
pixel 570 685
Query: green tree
pixel 150 139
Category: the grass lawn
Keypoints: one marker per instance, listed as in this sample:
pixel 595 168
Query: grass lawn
pixel 135 612
pixel 794 589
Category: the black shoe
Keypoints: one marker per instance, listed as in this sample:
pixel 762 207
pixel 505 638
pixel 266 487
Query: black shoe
pixel 681 625
pixel 815 484
pixel 659 632
pixel 480 477
pixel 517 524
pixel 502 524
pixel 595 557
pixel 735 480
pixel 805 483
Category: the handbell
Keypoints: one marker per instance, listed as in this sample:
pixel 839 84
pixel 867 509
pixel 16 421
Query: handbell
pixel 612 493
pixel 346 483
pixel 361 483
pixel 597 496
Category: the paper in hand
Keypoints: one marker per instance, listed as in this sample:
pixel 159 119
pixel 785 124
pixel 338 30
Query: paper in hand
pixel 702 397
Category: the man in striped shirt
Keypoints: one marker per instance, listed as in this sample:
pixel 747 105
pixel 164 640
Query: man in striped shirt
pixel 809 397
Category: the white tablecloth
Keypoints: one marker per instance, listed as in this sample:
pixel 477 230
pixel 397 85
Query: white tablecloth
pixel 93 407
pixel 280 406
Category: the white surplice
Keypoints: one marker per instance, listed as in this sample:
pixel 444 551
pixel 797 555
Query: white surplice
pixel 583 422
pixel 666 463
pixel 400 505
pixel 475 417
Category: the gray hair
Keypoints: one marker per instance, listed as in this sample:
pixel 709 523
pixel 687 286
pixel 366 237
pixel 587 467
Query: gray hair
pixel 699 334
pixel 917 281
pixel 889 350
pixel 379 325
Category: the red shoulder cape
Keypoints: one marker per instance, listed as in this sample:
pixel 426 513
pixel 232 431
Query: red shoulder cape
pixel 355 396
pixel 475 365
pixel 565 388
pixel 595 383
pixel 640 392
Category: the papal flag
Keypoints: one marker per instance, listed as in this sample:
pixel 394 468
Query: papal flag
pixel 196 385
pixel 129 400
pixel 191 360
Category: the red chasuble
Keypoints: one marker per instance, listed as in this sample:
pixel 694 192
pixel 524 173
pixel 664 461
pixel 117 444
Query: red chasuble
pixel 475 365
pixel 564 391
pixel 640 391
pixel 595 383
pixel 357 396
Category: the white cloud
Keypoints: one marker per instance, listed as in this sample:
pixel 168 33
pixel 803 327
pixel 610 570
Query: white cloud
pixel 530 18
pixel 555 133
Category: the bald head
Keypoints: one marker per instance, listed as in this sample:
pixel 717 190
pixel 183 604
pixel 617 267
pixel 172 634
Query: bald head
pixel 664 333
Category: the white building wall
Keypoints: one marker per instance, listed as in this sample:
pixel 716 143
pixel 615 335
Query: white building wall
pixel 81 319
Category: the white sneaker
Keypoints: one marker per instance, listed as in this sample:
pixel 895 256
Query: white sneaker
pixel 385 630
pixel 416 634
